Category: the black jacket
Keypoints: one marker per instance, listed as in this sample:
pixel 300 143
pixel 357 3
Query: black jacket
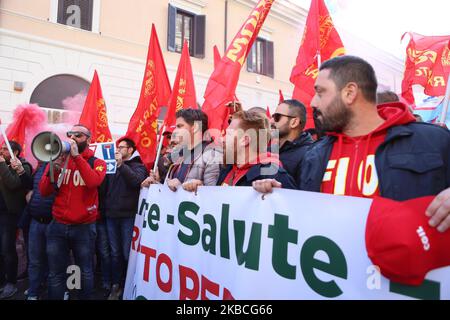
pixel 120 192
pixel 39 206
pixel 413 161
pixel 292 153
pixel 14 187
pixel 256 173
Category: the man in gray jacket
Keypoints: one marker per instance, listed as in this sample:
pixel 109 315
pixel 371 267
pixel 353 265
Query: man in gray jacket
pixel 199 161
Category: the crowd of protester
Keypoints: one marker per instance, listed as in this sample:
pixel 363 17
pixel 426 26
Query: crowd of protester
pixel 85 217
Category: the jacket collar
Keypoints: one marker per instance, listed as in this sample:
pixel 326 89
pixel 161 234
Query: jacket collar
pixel 304 139
pixel 196 153
pixel 398 131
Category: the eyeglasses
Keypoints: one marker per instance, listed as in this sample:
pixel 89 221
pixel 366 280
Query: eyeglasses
pixel 122 147
pixel 277 116
pixel 76 134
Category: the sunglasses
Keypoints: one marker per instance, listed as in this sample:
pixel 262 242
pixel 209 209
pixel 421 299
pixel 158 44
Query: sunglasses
pixel 76 134
pixel 277 116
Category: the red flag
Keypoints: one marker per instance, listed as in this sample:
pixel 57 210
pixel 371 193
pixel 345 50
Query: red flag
pixel 94 114
pixel 227 112
pixel 183 94
pixel 28 121
pixel 223 81
pixel 280 93
pixel 24 116
pixel 268 112
pixel 16 130
pixel 155 92
pixel 427 64
pixel 319 38
pixel 217 57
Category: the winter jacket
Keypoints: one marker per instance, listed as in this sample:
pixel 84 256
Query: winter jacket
pixel 205 165
pixel 40 207
pixel 292 153
pixel 14 187
pixel 122 189
pixel 76 201
pixel 412 161
pixel 267 168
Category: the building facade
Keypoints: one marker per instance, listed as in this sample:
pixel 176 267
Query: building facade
pixel 49 50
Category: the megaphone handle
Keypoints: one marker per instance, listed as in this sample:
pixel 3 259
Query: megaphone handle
pixel 63 173
pixel 52 172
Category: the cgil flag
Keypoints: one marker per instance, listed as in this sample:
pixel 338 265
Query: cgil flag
pixel 94 115
pixel 427 64
pixel 155 92
pixel 223 81
pixel 320 41
pixel 183 94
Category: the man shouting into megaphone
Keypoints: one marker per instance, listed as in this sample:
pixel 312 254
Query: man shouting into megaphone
pixel 74 213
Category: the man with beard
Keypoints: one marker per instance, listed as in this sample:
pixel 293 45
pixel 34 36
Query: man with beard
pixel 372 150
pixel 288 121
pixel 246 157
pixel 75 211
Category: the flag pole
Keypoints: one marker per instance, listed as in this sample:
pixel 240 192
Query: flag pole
pixel 161 138
pixel 6 142
pixel 446 102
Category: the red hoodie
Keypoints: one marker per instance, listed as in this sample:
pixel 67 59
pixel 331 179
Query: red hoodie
pixel 77 199
pixel 353 155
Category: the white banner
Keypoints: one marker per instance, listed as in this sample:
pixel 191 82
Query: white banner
pixel 231 243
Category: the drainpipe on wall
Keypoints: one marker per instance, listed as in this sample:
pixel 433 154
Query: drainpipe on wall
pixel 226 27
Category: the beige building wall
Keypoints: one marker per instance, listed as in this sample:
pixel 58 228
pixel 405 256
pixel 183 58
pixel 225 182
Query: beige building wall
pixel 34 47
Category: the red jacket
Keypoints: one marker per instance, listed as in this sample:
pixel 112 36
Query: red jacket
pixel 77 199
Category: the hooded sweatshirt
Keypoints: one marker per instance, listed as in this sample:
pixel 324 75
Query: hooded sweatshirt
pixel 351 168
pixel 76 201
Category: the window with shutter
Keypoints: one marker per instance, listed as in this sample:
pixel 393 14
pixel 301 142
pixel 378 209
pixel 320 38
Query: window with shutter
pixel 76 13
pixel 260 59
pixel 269 60
pixel 199 36
pixel 171 28
pixel 184 25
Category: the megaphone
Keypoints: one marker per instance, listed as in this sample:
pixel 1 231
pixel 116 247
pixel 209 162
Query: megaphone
pixel 48 146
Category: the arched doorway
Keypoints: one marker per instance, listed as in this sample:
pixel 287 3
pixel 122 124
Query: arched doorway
pixel 51 93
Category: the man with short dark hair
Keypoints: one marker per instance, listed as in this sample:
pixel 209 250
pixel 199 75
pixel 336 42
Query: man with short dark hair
pixel 15 181
pixel 288 122
pixel 200 160
pixel 373 151
pixel 75 211
pixel 120 206
pixel 387 96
